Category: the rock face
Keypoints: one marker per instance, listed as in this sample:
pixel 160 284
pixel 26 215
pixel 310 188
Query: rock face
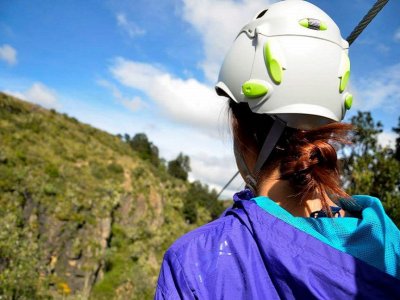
pixel 81 216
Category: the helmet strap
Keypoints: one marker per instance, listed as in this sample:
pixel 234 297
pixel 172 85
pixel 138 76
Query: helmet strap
pixel 244 169
pixel 269 144
pixel 241 163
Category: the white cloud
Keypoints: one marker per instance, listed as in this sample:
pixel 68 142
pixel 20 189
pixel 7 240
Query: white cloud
pixel 38 93
pixel 396 35
pixel 16 94
pixel 213 168
pixel 218 23
pixel 8 54
pixel 382 48
pixel 211 158
pixel 130 27
pixel 187 101
pixel 41 94
pixel 387 139
pixel 379 91
pixel 133 104
pixel 216 170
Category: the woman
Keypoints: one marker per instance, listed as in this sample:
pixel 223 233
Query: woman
pixel 293 233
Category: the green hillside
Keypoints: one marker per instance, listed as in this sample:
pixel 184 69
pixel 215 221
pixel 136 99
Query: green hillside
pixel 81 214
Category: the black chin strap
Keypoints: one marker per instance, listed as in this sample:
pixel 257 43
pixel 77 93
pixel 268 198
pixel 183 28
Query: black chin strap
pixel 269 144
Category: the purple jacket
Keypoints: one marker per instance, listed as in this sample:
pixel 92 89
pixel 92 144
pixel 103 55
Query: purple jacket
pixel 249 253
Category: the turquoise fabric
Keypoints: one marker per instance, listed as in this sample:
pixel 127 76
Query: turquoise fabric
pixel 374 238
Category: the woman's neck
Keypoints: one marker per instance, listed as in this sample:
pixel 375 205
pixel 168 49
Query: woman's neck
pixel 284 195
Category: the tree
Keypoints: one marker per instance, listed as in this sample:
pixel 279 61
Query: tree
pixel 126 138
pixel 360 161
pixel 199 195
pixel 366 136
pixel 371 169
pixel 397 151
pixel 146 149
pixel 179 167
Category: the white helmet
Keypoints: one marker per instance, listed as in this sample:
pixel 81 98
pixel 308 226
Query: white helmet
pixel 291 62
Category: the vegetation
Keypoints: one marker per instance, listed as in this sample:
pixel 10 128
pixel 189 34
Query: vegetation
pixel 145 149
pixel 372 169
pixel 84 214
pixel 180 167
pixel 397 131
pixel 199 197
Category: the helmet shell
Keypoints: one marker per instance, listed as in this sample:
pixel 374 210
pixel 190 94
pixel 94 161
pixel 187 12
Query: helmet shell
pixel 295 52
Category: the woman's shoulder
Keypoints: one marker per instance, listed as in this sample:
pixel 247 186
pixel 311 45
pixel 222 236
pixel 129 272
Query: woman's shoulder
pixel 182 259
pixel 211 234
pixel 196 261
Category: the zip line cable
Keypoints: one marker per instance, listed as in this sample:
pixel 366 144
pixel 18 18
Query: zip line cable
pixel 376 8
pixel 227 184
pixel 366 20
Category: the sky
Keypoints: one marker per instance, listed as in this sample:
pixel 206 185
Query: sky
pixel 150 66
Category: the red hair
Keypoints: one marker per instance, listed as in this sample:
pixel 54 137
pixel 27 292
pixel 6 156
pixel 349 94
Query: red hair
pixel 307 158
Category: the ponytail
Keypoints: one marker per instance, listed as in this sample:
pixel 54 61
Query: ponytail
pixel 306 158
pixel 311 163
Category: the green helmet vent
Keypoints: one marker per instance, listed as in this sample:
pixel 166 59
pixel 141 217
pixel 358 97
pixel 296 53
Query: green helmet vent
pixel 344 79
pixel 348 101
pixel 273 65
pixel 253 89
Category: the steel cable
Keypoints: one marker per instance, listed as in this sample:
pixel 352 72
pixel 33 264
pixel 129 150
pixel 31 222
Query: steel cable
pixel 227 184
pixel 366 20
